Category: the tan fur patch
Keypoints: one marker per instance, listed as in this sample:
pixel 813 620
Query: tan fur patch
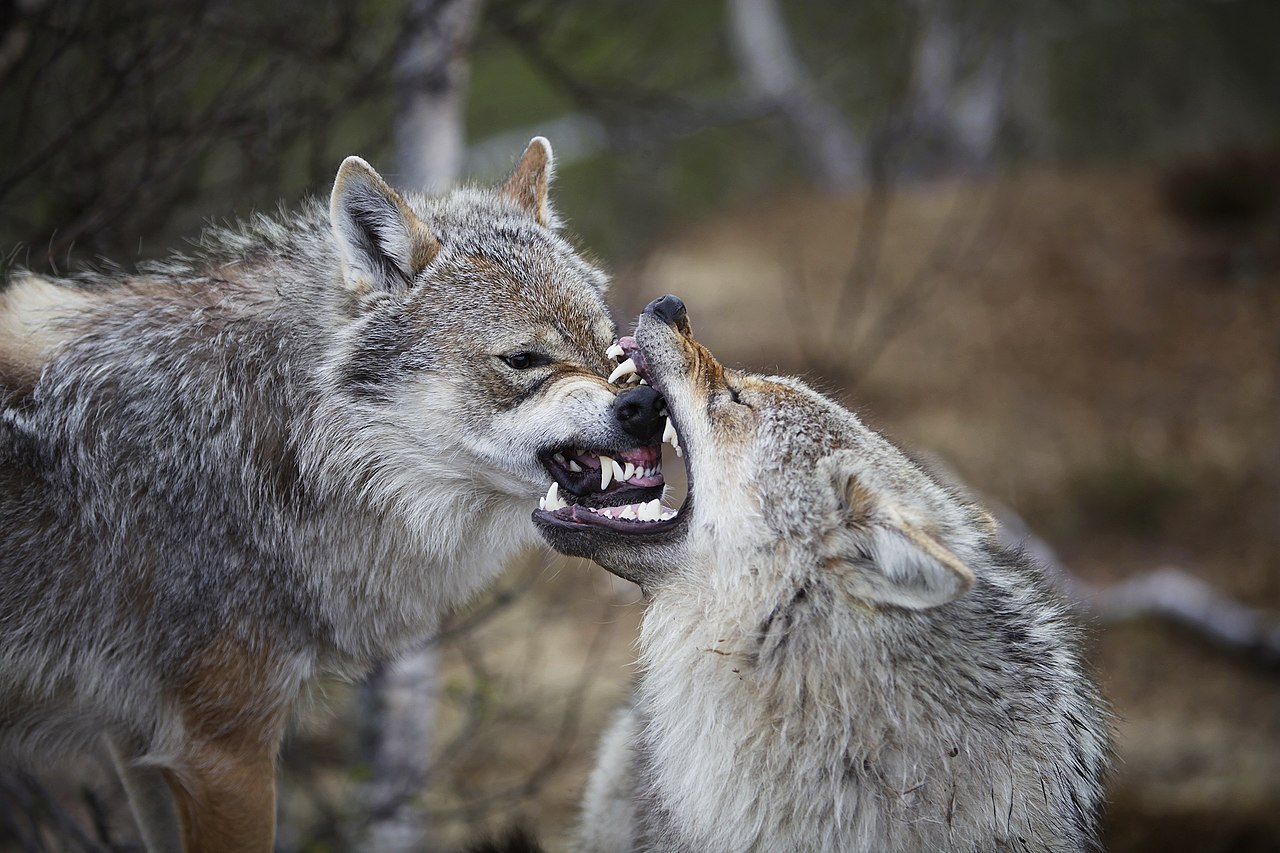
pixel 226 696
pixel 225 784
pixel 226 801
pixel 530 182
pixel 32 311
pixel 860 502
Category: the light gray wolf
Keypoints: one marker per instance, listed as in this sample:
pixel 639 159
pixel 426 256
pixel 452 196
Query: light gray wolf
pixel 837 655
pixel 288 454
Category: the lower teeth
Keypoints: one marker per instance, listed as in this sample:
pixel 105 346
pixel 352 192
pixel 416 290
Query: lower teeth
pixel 651 511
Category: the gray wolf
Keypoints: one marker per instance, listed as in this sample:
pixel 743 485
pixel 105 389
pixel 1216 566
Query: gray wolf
pixel 288 454
pixel 838 654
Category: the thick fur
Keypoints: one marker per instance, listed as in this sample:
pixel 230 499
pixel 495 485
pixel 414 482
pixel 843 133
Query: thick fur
pixel 838 655
pixel 285 456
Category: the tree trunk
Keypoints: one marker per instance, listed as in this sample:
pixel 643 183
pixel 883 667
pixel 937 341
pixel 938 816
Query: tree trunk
pixel 772 71
pixel 399 698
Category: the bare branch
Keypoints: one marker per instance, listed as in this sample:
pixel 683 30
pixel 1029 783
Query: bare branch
pixel 1167 593
pixel 774 74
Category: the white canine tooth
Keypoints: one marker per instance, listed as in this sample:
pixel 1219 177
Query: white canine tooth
pixel 618 470
pixel 542 502
pixel 574 466
pixel 668 433
pixel 627 368
pixel 615 351
pixel 643 381
pixel 606 471
pixel 552 501
pixel 628 471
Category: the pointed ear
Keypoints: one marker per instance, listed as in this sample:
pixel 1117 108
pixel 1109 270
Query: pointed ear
pixel 887 551
pixel 530 182
pixel 382 242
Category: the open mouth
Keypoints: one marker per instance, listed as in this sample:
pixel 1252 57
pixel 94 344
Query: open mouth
pixel 621 491
pixel 602 479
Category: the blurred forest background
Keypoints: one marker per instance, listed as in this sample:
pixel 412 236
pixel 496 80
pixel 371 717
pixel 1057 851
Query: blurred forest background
pixel 1038 241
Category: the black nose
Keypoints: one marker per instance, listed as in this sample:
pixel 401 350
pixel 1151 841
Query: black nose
pixel 669 309
pixel 637 412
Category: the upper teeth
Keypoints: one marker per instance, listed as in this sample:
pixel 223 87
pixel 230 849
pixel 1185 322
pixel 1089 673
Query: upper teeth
pixel 669 436
pixel 611 470
pixel 615 351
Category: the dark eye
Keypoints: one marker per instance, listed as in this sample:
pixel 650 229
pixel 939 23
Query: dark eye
pixel 525 360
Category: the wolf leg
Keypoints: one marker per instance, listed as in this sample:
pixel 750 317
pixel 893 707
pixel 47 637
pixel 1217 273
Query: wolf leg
pixel 227 799
pixel 150 799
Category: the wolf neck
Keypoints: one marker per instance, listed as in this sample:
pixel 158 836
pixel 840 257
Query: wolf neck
pixel 779 704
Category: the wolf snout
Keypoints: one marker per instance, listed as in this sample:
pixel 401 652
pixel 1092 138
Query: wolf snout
pixel 639 411
pixel 669 309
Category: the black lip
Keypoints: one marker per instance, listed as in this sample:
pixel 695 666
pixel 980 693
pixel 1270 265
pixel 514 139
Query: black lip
pixel 575 518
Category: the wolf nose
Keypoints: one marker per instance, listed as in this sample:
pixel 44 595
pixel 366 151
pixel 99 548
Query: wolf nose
pixel 637 412
pixel 669 309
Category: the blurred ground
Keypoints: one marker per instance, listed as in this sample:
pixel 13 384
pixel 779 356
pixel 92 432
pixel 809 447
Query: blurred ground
pixel 1073 344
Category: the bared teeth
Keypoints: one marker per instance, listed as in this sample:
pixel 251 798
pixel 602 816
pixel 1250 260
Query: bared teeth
pixel 618 471
pixel 615 352
pixel 669 436
pixel 575 467
pixel 626 368
pixel 628 471
pixel 646 512
pixel 551 501
pixel 606 471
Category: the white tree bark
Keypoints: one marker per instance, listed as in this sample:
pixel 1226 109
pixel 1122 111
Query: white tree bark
pixel 431 88
pixel 772 71
pixel 957 105
pixel 399 699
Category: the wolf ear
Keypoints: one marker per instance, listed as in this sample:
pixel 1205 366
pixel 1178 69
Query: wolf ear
pixel 383 243
pixel 884 556
pixel 530 181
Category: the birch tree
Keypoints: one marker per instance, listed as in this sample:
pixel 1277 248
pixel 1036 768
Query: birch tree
pixel 430 85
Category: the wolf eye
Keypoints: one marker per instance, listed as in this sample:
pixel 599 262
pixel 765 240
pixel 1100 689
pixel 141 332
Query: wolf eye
pixel 525 360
